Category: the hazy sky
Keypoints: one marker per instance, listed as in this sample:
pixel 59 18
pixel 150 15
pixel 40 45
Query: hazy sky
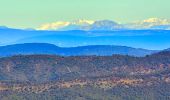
pixel 32 13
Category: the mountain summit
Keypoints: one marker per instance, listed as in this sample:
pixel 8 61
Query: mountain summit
pixel 104 25
pixel 88 25
pixel 81 25
pixel 151 23
pixel 64 25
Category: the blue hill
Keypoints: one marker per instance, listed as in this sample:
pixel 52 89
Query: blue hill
pixel 43 48
pixel 148 39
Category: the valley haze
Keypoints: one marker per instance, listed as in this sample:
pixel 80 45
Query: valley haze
pixel 146 39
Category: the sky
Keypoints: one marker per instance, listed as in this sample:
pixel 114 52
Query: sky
pixel 32 13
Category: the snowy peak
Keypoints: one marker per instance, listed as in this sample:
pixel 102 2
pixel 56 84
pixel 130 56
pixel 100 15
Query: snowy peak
pixel 157 21
pixel 82 22
pixel 53 26
pixel 105 25
pixel 63 24
pixel 88 25
pixel 81 25
pixel 151 23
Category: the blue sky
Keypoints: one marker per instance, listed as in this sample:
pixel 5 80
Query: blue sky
pixel 32 13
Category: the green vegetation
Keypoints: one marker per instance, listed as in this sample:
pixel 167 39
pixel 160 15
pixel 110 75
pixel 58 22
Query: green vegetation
pixel 46 77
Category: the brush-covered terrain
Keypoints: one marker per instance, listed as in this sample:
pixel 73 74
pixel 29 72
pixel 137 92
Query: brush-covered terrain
pixel 117 77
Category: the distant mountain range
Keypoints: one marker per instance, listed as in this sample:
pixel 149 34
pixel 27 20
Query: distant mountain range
pixel 167 49
pixel 85 25
pixel 43 48
pixel 148 39
pixel 89 25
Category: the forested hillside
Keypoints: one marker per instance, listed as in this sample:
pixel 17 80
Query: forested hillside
pixel 85 77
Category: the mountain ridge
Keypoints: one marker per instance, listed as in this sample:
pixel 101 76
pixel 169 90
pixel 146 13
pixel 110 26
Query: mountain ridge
pixel 150 23
pixel 46 68
pixel 116 77
pixel 45 48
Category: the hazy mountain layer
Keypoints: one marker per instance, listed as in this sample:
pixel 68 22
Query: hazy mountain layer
pixel 43 48
pixel 148 39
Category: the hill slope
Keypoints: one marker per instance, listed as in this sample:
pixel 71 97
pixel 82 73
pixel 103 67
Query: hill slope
pixel 43 48
pixel 44 68
pixel 45 77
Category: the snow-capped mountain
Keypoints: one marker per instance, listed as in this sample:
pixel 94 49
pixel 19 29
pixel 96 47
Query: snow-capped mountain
pixel 82 25
pixel 89 25
pixel 104 25
pixel 65 25
pixel 151 23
